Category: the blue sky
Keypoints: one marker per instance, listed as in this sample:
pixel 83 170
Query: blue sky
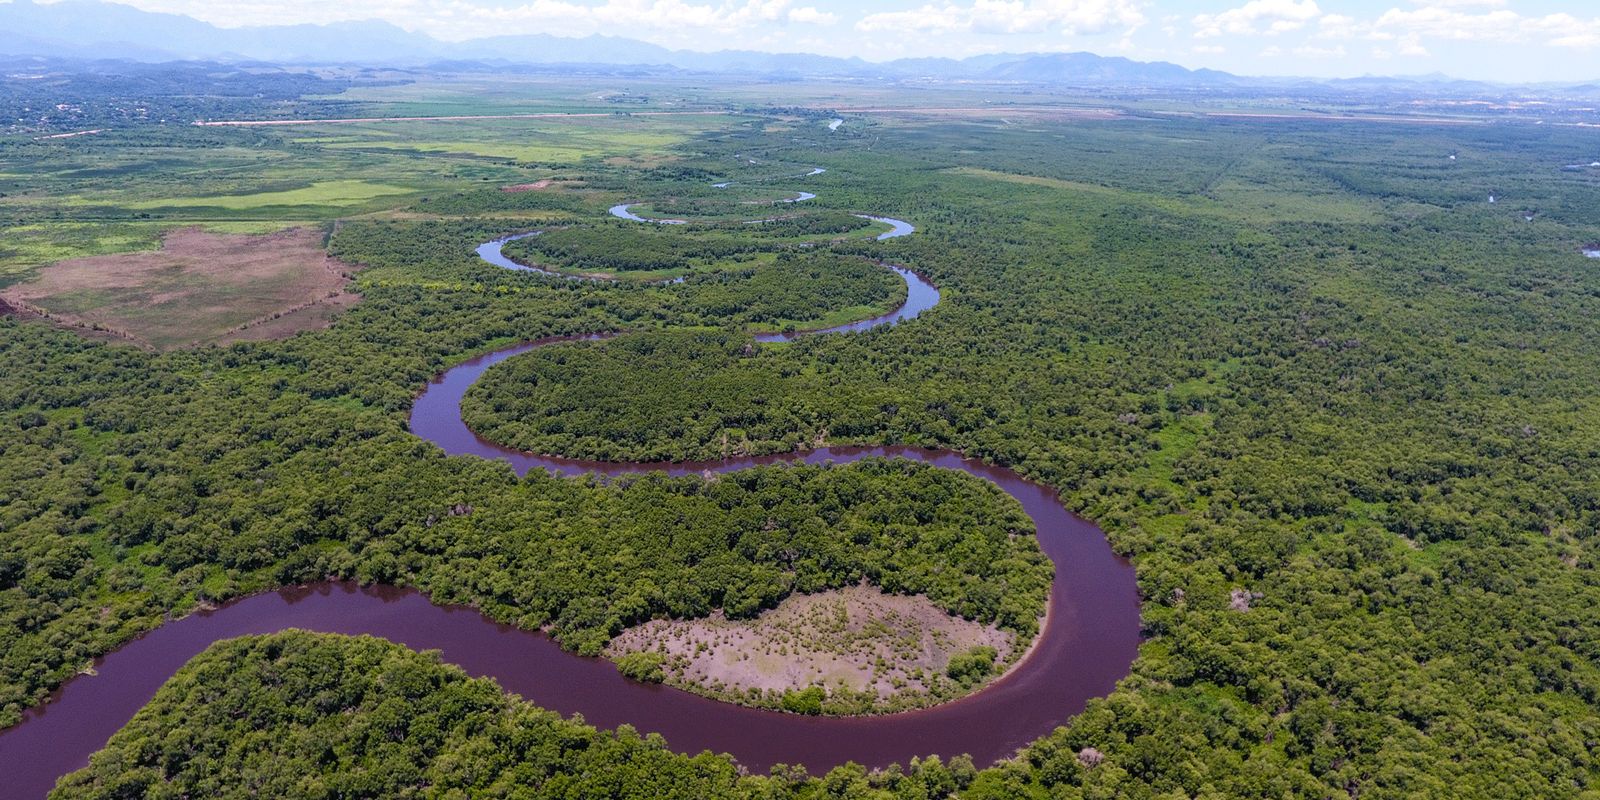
pixel 1507 40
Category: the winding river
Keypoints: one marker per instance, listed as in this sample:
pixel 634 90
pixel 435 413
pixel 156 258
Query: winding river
pixel 1090 640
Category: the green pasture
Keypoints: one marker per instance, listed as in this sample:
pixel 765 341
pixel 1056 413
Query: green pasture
pixel 321 193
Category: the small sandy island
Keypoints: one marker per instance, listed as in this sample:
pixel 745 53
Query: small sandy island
pixel 864 651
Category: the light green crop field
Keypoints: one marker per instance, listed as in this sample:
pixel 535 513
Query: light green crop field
pixel 552 141
pixel 321 193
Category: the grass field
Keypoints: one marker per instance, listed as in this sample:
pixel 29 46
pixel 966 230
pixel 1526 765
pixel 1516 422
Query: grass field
pixel 322 193
pixel 28 247
pixel 549 141
pixel 198 288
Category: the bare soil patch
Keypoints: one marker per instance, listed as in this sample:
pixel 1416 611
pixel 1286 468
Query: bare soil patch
pixel 527 187
pixel 870 651
pixel 199 288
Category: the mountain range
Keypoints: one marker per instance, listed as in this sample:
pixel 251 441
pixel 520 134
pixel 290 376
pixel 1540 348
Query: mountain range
pixel 98 30
pixel 102 30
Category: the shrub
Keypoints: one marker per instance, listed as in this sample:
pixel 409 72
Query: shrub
pixel 642 666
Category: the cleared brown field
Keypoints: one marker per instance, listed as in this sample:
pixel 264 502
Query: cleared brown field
pixel 199 288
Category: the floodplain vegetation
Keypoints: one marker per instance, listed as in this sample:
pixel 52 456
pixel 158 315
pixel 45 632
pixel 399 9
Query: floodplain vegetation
pixel 1336 406
pixel 620 247
pixel 853 650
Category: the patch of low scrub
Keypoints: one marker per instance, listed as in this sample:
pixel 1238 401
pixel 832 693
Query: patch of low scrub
pixel 854 650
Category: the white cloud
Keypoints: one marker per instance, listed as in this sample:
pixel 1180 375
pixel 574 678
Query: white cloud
pixel 1409 29
pixel 811 16
pixel 1280 16
pixel 1440 22
pixel 1209 49
pixel 1337 26
pixel 459 19
pixel 1011 16
pixel 1459 3
pixel 1308 51
pixel 1411 45
pixel 1586 39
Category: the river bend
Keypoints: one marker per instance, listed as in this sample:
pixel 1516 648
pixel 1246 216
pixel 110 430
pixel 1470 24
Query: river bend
pixel 1088 644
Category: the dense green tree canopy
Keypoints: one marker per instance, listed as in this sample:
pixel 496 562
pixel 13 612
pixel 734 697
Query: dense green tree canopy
pixel 1337 408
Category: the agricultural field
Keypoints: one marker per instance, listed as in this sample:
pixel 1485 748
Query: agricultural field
pixel 1333 405
pixel 554 142
pixel 101 194
pixel 198 288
